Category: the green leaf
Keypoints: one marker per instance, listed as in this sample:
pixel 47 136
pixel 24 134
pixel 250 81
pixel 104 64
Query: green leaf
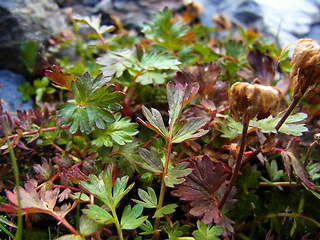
pixel 273 172
pixel 94 99
pixel 175 96
pixel 130 217
pixel 249 179
pixel 149 77
pixel 98 214
pixel 80 195
pixel 165 210
pixel 176 174
pixel 189 129
pixel 88 226
pixel 94 22
pixel 175 231
pixel 71 237
pixel 290 126
pixel 154 61
pixel 120 132
pixel 149 199
pixel 155 121
pixel 101 187
pixel 117 62
pixel 205 232
pixel 151 160
pixel 165 32
pixel 147 228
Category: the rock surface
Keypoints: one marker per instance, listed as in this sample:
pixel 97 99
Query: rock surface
pixel 282 21
pixel 25 20
pixel 10 94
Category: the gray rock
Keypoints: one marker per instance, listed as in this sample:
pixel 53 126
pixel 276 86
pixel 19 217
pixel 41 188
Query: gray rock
pixel 10 94
pixel 25 20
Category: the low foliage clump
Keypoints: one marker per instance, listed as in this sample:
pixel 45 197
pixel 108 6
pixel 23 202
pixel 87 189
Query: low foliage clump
pixel 181 136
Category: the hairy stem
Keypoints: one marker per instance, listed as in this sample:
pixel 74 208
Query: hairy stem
pixel 37 131
pixel 245 122
pixel 163 185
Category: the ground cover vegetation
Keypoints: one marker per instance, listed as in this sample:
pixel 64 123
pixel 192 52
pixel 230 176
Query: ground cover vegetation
pixel 167 134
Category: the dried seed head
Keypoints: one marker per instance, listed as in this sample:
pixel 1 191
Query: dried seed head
pixel 255 100
pixel 305 65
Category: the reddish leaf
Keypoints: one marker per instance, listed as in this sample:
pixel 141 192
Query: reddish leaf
pixel 203 189
pixel 206 76
pixel 290 158
pixel 45 171
pixel 43 201
pixel 59 78
pixel 262 65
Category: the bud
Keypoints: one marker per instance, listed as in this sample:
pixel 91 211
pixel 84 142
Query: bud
pixel 255 100
pixel 305 65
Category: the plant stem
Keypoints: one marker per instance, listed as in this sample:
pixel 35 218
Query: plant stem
pixel 116 221
pixel 17 182
pixel 163 185
pixel 311 147
pixel 293 104
pixel 67 224
pixel 295 101
pixel 245 123
pixel 282 184
pixel 36 131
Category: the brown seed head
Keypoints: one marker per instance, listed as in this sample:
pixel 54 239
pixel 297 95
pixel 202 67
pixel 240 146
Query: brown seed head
pixel 305 65
pixel 253 99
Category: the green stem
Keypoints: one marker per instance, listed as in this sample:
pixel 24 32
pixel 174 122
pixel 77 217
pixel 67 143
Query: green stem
pixel 17 181
pixel 163 185
pixel 245 122
pixel 116 221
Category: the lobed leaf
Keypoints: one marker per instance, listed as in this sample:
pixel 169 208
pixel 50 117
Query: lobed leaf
pixel 147 228
pixel 150 160
pixel 155 121
pixel 88 226
pixel 203 188
pixel 189 129
pixel 154 61
pixel 94 22
pixel 130 217
pixel 149 199
pixel 102 187
pixel 165 210
pixel 120 132
pixel 205 232
pixel 176 174
pixel 291 158
pixel 149 77
pixel 43 201
pixel 59 78
pixel 98 214
pixel 93 101
pixel 116 62
pixel 289 127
